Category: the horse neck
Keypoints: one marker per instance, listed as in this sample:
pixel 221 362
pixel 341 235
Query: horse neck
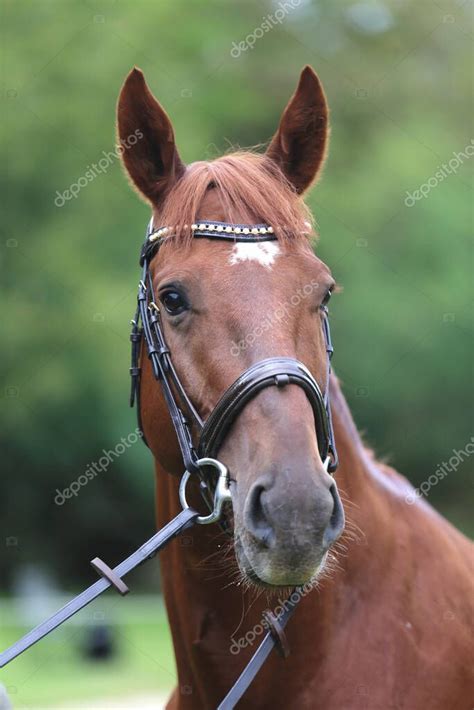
pixel 353 476
pixel 206 609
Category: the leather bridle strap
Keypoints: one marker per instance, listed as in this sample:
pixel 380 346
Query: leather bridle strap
pixel 183 520
pixel 258 659
pixel 275 371
pixel 164 371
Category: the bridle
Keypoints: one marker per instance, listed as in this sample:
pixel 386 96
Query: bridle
pixel 275 371
pixel 200 441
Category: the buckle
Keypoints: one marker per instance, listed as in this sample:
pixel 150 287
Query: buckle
pixel 105 571
pixel 278 634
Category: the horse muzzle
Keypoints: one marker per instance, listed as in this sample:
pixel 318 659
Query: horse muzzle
pixel 285 529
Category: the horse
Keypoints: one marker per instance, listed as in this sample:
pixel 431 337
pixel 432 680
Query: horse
pixel 385 613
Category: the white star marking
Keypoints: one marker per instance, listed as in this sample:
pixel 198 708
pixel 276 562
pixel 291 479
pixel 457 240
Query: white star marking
pixel 263 253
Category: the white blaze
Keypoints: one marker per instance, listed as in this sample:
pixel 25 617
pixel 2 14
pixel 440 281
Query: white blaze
pixel 263 253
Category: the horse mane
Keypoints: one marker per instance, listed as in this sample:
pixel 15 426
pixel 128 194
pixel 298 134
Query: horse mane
pixel 247 184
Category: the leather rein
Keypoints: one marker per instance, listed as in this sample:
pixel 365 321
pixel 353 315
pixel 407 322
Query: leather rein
pixel 200 441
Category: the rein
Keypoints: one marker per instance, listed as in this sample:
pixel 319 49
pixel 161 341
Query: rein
pixel 199 459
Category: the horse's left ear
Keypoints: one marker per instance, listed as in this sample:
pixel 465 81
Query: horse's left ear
pixel 146 135
pixel 299 145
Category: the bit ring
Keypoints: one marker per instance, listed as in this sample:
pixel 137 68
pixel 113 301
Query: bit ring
pixel 222 492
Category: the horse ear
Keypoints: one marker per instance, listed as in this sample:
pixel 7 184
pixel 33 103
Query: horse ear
pixel 299 145
pixel 146 135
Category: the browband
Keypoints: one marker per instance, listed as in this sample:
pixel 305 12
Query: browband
pixel 207 230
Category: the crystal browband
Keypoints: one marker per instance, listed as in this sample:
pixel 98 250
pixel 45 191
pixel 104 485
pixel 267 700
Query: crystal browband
pixel 207 230
pixel 222 230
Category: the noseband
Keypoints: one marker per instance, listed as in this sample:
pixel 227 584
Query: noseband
pixel 275 371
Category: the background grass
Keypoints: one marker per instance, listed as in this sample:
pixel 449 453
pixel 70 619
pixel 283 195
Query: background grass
pixel 57 670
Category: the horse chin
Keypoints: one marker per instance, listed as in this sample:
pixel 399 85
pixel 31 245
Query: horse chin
pixel 260 571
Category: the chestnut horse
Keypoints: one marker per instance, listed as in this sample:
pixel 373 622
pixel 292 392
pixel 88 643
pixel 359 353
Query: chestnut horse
pixel 388 624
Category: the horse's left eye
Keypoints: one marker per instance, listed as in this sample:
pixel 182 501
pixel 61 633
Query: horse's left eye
pixel 326 298
pixel 174 302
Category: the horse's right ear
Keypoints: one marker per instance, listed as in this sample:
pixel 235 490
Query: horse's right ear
pixel 146 135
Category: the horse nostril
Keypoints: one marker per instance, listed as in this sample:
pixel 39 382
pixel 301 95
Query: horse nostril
pixel 315 520
pixel 336 523
pixel 256 519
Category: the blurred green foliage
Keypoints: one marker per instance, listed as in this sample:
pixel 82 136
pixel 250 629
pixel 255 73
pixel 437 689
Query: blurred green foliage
pixel 58 671
pixel 398 78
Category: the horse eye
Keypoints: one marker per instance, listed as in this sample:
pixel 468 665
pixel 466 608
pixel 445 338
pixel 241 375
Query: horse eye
pixel 326 298
pixel 174 302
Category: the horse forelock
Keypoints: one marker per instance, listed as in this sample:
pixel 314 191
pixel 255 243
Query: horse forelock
pixel 242 187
